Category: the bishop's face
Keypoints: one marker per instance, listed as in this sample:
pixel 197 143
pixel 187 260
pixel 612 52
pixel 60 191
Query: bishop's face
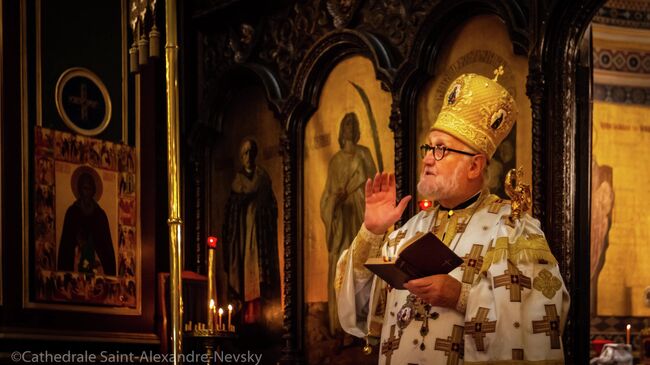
pixel 444 179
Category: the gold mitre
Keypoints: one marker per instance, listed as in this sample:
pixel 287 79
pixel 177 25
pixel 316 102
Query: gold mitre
pixel 478 111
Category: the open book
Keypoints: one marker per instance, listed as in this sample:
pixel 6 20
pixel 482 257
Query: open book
pixel 422 255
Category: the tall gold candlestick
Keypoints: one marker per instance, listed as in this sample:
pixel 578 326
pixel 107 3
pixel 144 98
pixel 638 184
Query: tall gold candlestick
pixel 220 323
pixel 212 291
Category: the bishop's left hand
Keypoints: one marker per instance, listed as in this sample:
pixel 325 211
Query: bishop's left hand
pixel 437 290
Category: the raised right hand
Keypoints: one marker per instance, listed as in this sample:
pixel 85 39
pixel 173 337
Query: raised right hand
pixel 381 210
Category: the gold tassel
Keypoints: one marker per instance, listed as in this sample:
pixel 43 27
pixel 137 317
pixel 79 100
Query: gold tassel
pixel 154 42
pixel 367 349
pixel 133 59
pixel 143 50
pixel 531 249
pixel 525 249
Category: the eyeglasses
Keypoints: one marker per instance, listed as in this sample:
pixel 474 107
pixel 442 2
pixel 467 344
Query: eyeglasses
pixel 440 151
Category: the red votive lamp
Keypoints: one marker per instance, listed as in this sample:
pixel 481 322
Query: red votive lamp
pixel 425 204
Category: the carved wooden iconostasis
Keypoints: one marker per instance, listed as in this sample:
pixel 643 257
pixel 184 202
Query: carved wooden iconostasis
pixel 284 77
pixel 312 61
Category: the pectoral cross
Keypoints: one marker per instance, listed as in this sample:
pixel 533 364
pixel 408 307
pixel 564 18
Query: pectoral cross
pixel 453 346
pixel 514 281
pixel 549 325
pixel 83 101
pixel 472 264
pixel 391 344
pixel 479 326
pixel 422 314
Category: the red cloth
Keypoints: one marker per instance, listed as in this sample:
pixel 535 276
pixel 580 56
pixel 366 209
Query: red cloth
pixel 598 344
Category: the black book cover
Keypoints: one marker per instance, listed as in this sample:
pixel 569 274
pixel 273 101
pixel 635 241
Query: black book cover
pixel 423 255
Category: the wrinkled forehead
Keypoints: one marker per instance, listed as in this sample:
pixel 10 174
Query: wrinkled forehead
pixel 441 138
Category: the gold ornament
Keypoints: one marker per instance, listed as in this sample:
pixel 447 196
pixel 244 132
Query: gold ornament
pixel 547 283
pixel 367 349
pixel 518 192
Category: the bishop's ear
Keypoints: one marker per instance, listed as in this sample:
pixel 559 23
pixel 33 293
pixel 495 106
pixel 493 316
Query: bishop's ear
pixel 477 166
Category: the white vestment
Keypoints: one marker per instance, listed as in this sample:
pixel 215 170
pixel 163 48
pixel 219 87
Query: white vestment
pixel 513 303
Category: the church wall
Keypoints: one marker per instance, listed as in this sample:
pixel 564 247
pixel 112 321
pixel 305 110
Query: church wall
pixel 41 43
pixel 619 276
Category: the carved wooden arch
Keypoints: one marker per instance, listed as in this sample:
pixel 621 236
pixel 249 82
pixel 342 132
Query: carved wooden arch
pixel 323 56
pixel 562 155
pixel 232 77
pixel 303 101
pixel 439 24
pixel 448 15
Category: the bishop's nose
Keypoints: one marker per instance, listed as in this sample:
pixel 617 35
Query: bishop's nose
pixel 428 159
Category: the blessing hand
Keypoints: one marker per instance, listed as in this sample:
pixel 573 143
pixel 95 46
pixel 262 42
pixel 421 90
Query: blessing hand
pixel 381 210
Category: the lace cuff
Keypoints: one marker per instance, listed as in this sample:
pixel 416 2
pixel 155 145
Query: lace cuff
pixel 365 245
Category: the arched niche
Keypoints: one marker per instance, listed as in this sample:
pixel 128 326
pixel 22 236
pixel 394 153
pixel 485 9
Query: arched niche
pixel 345 72
pixel 469 49
pixel 238 185
pixel 346 141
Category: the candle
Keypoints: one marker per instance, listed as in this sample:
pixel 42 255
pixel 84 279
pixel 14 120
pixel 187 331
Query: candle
pixel 220 314
pixel 229 315
pixel 210 314
pixel 627 333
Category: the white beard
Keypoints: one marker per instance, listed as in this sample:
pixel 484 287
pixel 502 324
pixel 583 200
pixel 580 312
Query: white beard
pixel 437 187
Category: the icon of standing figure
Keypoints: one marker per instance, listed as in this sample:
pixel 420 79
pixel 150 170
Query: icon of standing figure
pixel 250 239
pixel 86 244
pixel 343 201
